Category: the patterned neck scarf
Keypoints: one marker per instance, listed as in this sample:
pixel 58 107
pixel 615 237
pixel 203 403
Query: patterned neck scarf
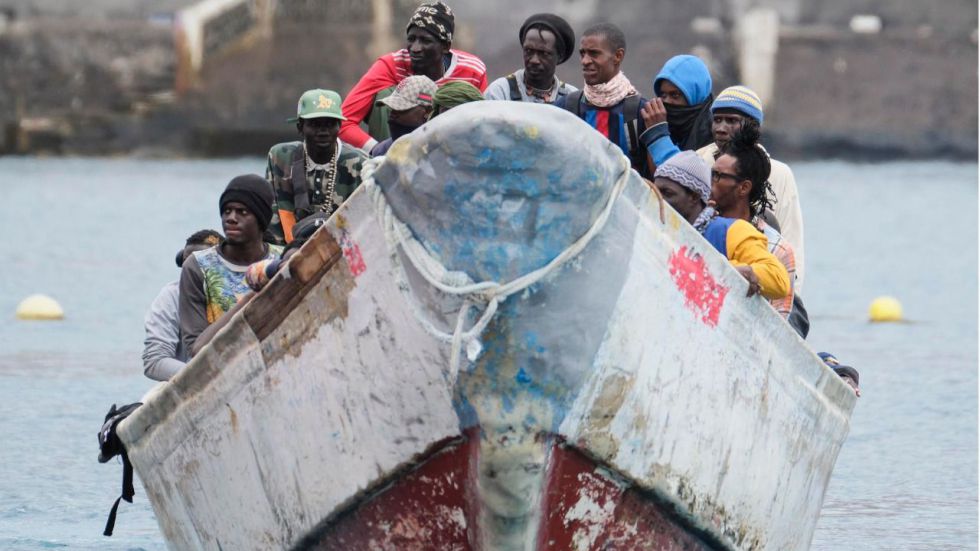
pixel 703 219
pixel 609 93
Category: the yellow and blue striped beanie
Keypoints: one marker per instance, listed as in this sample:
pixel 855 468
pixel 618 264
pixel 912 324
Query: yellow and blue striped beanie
pixel 741 99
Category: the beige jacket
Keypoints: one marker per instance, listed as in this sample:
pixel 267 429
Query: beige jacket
pixel 787 208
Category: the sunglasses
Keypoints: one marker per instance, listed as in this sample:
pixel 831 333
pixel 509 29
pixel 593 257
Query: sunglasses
pixel 716 176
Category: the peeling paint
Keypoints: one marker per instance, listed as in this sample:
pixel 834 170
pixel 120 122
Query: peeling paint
pixel 352 254
pixel 703 294
pixel 592 511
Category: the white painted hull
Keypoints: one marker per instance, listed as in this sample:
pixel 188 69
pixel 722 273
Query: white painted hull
pixel 329 387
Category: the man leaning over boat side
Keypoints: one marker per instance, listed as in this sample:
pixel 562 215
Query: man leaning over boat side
pixel 684 181
pixel 609 102
pixel 212 280
pixel 429 52
pixel 258 275
pixel 163 353
pixel 547 41
pixel 318 172
pixel 733 107
pixel 747 199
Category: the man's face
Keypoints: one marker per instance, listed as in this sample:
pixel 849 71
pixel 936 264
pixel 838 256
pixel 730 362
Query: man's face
pixel 239 224
pixel 687 203
pixel 319 133
pixel 425 50
pixel 414 117
pixel 600 62
pixel 540 54
pixel 672 95
pixel 725 125
pixel 728 188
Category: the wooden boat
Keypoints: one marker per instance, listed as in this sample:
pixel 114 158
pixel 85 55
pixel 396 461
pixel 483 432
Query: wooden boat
pixel 503 340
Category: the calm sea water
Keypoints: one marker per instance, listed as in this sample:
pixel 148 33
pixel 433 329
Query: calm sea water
pixel 100 236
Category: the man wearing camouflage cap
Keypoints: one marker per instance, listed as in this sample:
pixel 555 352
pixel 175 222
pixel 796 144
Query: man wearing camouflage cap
pixel 409 107
pixel 317 173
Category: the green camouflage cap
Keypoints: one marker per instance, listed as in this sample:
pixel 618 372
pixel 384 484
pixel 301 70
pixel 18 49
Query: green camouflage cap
pixel 318 103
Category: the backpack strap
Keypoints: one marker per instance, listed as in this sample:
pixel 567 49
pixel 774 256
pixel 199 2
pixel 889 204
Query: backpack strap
pixel 127 494
pixel 109 447
pixel 631 116
pixel 573 103
pixel 515 90
pixel 301 191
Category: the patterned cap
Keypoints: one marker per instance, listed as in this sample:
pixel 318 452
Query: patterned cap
pixel 739 98
pixel 689 170
pixel 411 92
pixel 436 18
pixel 315 104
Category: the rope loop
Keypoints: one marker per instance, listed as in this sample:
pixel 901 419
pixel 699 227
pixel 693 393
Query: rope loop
pixel 489 294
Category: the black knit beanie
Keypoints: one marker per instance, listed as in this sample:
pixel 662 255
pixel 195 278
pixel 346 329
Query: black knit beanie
pixel 254 192
pixel 564 35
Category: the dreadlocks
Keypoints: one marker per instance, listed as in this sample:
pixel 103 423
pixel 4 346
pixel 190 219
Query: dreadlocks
pixel 752 163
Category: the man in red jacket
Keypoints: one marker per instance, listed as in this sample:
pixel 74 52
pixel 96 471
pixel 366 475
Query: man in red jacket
pixel 428 52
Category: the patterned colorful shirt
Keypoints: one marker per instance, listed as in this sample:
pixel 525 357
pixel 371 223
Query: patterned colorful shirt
pixel 210 285
pixel 289 159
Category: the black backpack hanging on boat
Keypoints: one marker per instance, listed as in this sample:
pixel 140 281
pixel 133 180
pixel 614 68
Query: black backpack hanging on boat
pixel 109 447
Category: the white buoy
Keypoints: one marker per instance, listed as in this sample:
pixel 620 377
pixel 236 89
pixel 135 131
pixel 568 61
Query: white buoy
pixel 39 307
pixel 885 309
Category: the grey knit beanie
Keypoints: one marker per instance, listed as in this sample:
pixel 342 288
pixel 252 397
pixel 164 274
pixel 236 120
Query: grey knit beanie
pixel 689 170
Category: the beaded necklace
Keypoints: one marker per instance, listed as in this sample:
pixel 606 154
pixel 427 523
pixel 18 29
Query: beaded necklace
pixel 323 198
pixel 543 95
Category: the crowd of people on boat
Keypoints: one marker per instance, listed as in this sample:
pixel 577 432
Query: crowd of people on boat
pixel 699 152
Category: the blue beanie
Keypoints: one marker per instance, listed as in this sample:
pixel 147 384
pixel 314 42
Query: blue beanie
pixel 689 74
pixel 739 98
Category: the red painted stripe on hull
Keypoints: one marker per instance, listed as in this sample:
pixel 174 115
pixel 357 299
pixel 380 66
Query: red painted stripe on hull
pixel 426 507
pixel 436 505
pixel 588 507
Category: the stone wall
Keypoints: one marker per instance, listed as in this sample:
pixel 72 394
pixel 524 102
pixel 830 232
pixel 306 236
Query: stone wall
pixel 103 83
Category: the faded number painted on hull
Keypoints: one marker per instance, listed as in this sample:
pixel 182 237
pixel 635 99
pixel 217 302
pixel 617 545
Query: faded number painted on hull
pixel 703 295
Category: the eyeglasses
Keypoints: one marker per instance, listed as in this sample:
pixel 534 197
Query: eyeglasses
pixel 715 176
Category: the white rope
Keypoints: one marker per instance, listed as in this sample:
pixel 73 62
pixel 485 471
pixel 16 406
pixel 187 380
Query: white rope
pixel 460 284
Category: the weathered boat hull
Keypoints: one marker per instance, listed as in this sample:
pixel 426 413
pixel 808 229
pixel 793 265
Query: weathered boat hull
pixel 435 505
pixel 631 397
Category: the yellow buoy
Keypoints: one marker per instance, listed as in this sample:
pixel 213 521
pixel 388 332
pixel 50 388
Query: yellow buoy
pixel 885 309
pixel 39 307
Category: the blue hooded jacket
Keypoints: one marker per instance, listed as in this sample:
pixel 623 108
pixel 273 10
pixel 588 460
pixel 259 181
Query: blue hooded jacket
pixel 689 74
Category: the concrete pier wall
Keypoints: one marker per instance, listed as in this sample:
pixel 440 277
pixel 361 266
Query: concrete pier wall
pixel 103 81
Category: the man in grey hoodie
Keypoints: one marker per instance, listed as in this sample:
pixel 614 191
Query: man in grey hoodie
pixel 163 353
